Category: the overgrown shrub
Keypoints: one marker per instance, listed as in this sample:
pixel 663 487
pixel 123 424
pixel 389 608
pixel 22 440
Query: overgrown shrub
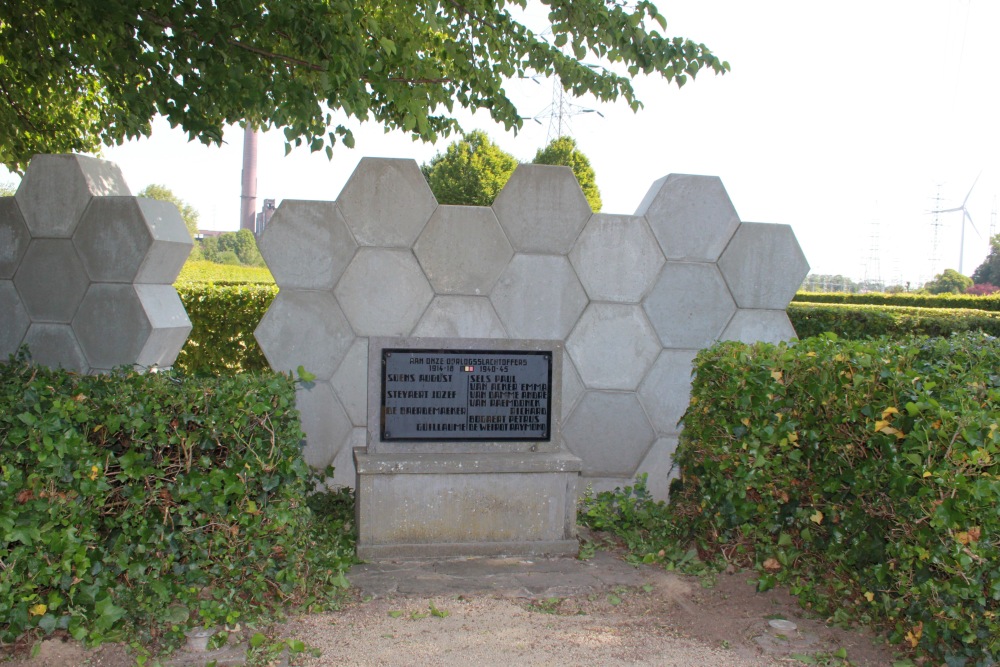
pixel 144 502
pixel 906 299
pixel 860 321
pixel 223 319
pixel 865 474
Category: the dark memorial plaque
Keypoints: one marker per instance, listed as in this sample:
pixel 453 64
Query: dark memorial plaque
pixel 466 395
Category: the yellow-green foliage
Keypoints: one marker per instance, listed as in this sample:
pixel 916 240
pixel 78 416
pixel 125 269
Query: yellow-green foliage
pixel 201 271
pixel 991 302
pixel 856 321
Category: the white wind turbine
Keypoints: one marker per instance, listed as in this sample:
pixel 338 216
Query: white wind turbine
pixel 965 216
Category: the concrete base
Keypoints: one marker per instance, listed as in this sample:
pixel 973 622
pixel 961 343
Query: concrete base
pixel 413 506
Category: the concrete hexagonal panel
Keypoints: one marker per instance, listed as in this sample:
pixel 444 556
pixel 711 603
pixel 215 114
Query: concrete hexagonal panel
pixel 56 189
pixel 572 388
pixel 539 296
pixel 55 346
pixel 324 422
pixel 123 324
pixel 613 346
pixel 609 431
pixel 542 209
pixel 386 202
pixel 307 244
pixel 763 265
pixel 750 326
pixel 51 280
pixel 460 317
pixel 383 292
pixel 691 216
pixel 463 250
pixel 126 239
pixel 14 237
pixel 13 322
pixel 659 467
pixel 689 305
pixel 666 391
pixel 616 257
pixel 350 382
pixel 304 328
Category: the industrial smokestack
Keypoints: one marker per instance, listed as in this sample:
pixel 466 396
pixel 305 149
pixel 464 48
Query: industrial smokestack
pixel 248 197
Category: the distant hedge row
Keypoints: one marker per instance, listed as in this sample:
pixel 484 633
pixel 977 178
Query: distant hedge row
pixel 991 303
pixel 861 321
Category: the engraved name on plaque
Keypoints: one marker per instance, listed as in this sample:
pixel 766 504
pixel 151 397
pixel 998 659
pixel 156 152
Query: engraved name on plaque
pixel 466 395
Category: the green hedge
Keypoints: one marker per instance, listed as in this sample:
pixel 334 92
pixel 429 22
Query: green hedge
pixel 991 302
pixel 857 321
pixel 864 474
pixel 223 318
pixel 133 501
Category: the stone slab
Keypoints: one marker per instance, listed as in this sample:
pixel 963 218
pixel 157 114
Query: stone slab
pixel 14 237
pixel 307 244
pixel 542 209
pixel 386 202
pixel 539 296
pixel 383 292
pixel 617 258
pixel 613 346
pixel 463 250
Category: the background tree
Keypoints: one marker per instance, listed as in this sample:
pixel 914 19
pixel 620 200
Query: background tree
pixel 563 151
pixel 949 282
pixel 163 193
pixel 470 172
pixel 989 270
pixel 232 248
pixel 75 74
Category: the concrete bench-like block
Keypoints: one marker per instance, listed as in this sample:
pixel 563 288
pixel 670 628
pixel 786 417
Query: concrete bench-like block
pixel 307 244
pixel 386 202
pixel 617 258
pixel 383 292
pixel 51 280
pixel 14 237
pixel 763 265
pixel 690 305
pixel 539 296
pixel 542 209
pixel 610 432
pixel 304 328
pixel 132 239
pixel 460 317
pixel 56 189
pixel 463 250
pixel 597 346
pixel 15 321
pixel 691 216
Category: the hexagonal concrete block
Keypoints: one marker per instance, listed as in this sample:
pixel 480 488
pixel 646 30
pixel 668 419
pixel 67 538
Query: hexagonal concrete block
pixel 351 382
pixel 666 391
pixel 132 239
pixel 616 257
pixel 463 250
pixel 13 320
pixel 304 328
pixel 386 202
pixel 539 296
pixel 689 306
pixel 609 431
pixel 659 467
pixel 763 265
pixel 750 326
pixel 56 189
pixel 307 244
pixel 14 237
pixel 613 346
pixel 542 209
pixel 125 324
pixel 572 388
pixel 323 421
pixel 383 292
pixel 691 216
pixel 51 280
pixel 344 472
pixel 460 317
pixel 55 346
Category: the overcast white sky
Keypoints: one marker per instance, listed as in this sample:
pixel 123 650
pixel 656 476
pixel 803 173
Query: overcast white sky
pixel 843 119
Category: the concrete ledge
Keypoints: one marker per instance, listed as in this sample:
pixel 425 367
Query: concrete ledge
pixel 379 552
pixel 438 463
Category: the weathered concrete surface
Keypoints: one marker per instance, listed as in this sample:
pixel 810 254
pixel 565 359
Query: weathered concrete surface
pixel 463 250
pixel 54 345
pixel 460 317
pixel 51 280
pixel 383 292
pixel 304 328
pixel 350 382
pixel 386 202
pixel 556 300
pixel 763 266
pixel 542 209
pixel 750 326
pixel 14 237
pixel 610 432
pixel 666 391
pixel 617 258
pixel 307 245
pixel 15 320
pixel 599 349
pixel 324 422
pixel 691 216
pixel 690 305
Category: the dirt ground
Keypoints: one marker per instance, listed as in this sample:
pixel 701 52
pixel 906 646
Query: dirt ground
pixel 668 620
